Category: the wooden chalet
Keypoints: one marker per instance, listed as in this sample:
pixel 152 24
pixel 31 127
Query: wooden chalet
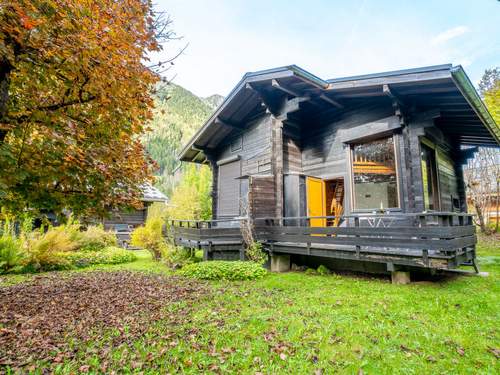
pixel 359 172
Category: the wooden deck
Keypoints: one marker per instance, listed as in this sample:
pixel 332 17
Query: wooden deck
pixel 426 240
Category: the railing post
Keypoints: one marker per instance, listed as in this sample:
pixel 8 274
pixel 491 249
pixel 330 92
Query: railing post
pixel 358 248
pixel 425 257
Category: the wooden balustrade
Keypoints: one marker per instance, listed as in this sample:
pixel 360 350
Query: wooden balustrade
pixel 434 239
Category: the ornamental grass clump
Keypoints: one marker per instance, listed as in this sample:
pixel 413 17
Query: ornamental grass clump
pixel 57 248
pixel 42 250
pixel 10 253
pixel 224 270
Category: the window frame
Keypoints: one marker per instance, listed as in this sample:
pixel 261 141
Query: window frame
pixel 352 199
pixel 430 145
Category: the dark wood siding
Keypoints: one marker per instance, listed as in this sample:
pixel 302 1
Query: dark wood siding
pixel 255 150
pixel 323 148
pixel 292 155
pixel 133 218
pixel 254 153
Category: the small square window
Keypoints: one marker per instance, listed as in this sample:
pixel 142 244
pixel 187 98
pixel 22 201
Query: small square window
pixel 237 144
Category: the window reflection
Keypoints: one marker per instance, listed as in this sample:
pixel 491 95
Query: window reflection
pixel 429 177
pixel 374 175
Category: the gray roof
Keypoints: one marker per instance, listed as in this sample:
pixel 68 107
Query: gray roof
pixel 152 194
pixel 462 113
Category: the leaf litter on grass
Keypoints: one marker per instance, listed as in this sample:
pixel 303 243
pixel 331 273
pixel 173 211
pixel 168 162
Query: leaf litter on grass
pixel 40 319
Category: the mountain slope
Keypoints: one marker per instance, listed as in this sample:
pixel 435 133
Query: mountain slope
pixel 178 114
pixel 214 101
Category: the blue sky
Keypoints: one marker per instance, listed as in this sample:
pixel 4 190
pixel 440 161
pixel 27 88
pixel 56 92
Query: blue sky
pixel 329 38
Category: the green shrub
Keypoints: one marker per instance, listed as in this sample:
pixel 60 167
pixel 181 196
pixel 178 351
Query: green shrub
pixel 311 271
pixel 150 237
pixel 255 253
pixel 10 253
pixel 109 255
pixel 95 238
pixel 224 270
pixel 323 270
pixel 178 256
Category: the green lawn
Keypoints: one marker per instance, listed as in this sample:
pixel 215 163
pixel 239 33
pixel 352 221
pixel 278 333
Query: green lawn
pixel 295 323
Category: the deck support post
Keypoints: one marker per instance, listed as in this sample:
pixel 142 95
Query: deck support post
pixel 280 263
pixel 400 277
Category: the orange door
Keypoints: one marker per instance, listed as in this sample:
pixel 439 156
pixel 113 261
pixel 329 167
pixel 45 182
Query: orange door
pixel 316 201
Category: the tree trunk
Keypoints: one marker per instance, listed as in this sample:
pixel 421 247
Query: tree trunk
pixel 480 218
pixel 498 205
pixel 5 69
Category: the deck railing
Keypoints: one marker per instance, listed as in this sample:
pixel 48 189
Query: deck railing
pixel 428 239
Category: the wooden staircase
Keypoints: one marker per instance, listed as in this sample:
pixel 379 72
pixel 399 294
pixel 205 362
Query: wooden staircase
pixel 337 207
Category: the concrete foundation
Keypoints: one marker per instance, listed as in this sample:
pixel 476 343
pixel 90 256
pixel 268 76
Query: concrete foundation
pixel 280 263
pixel 400 277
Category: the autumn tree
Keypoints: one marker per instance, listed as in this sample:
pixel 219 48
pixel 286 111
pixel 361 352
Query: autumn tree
pixel 191 198
pixel 74 97
pixel 482 175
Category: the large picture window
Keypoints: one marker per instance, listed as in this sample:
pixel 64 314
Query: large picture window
pixel 374 175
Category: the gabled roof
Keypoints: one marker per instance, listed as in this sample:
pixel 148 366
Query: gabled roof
pixel 152 194
pixel 462 113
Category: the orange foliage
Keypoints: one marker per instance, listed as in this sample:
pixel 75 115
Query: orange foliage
pixel 74 95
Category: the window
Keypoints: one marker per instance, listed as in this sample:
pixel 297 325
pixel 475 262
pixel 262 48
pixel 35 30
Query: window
pixel 237 144
pixel 429 177
pixel 374 175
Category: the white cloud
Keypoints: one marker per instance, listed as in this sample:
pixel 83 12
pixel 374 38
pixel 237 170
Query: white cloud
pixel 449 34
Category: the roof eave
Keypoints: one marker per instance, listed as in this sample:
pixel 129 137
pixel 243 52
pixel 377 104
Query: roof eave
pixel 261 75
pixel 470 94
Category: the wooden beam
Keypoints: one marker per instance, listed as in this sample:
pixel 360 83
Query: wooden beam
pixel 200 152
pixel 219 121
pixel 277 85
pixel 331 101
pixel 401 109
pixel 387 91
pixel 272 105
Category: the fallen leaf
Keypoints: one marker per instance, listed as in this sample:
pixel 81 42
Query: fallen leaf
pixel 84 368
pixel 495 352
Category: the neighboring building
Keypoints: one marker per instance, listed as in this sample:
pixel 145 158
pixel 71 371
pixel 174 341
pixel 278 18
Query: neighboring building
pixel 379 150
pixel 124 221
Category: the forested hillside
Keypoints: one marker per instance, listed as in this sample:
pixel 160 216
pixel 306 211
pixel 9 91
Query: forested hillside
pixel 178 114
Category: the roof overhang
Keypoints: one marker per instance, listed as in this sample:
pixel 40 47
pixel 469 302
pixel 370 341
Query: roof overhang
pixel 462 113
